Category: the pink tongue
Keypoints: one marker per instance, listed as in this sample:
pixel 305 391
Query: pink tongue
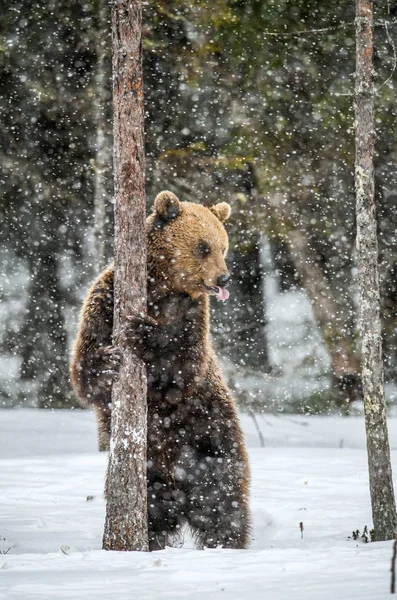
pixel 222 294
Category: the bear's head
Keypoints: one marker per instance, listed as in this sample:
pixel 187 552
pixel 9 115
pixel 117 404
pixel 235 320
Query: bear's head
pixel 189 246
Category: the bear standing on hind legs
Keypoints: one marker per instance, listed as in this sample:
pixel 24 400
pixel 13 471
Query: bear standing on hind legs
pixel 197 468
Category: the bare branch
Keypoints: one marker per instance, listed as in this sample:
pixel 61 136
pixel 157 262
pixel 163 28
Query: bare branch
pixel 391 42
pixel 305 32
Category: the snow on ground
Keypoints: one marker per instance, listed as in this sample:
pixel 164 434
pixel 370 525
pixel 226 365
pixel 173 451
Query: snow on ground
pixel 311 470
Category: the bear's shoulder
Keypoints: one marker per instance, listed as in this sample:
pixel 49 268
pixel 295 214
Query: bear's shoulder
pixel 100 297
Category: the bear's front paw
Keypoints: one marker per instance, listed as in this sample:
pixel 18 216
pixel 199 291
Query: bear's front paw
pixel 138 331
pixel 110 358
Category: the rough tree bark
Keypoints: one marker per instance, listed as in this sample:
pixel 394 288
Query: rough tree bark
pixel 379 466
pixel 126 510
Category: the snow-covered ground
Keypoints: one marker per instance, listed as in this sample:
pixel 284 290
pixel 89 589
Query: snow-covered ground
pixel 311 470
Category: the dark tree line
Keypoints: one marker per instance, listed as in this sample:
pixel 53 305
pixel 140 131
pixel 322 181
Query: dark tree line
pixel 264 121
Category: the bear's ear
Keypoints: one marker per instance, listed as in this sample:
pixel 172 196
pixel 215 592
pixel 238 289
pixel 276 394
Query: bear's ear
pixel 167 206
pixel 221 211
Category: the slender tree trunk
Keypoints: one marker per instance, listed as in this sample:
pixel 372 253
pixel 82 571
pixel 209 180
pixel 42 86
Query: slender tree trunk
pixel 287 273
pixel 244 319
pixel 330 315
pixel 250 305
pixel 126 510
pixel 379 466
pixel 103 159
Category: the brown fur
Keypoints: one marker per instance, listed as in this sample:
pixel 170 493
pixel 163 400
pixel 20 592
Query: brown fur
pixel 197 464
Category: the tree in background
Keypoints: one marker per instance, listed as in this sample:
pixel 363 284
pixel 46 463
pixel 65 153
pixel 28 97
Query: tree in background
pixel 261 104
pixel 227 102
pixel 290 98
pixel 379 465
pixel 45 128
pixel 189 150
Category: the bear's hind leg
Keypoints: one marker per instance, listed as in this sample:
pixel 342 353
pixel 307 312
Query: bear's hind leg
pixel 226 527
pixel 163 533
pixel 220 524
pixel 217 509
pixel 166 514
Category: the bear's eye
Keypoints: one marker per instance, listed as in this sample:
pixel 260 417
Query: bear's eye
pixel 204 248
pixel 224 251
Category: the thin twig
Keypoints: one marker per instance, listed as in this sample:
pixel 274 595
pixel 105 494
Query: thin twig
pixel 308 31
pixel 303 32
pixel 393 568
pixel 390 40
pixel 261 438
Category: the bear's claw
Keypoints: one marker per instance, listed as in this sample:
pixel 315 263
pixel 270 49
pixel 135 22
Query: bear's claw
pixel 111 357
pixel 142 321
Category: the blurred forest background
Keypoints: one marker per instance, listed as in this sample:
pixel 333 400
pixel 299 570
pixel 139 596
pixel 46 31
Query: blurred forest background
pixel 246 101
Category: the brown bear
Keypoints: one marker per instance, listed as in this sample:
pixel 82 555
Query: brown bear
pixel 197 468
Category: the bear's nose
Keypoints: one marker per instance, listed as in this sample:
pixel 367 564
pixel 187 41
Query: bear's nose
pixel 223 280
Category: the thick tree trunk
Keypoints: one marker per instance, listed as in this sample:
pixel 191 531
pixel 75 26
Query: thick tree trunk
pixel 379 466
pixel 330 315
pixel 250 305
pixel 126 510
pixel 241 325
pixel 103 158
